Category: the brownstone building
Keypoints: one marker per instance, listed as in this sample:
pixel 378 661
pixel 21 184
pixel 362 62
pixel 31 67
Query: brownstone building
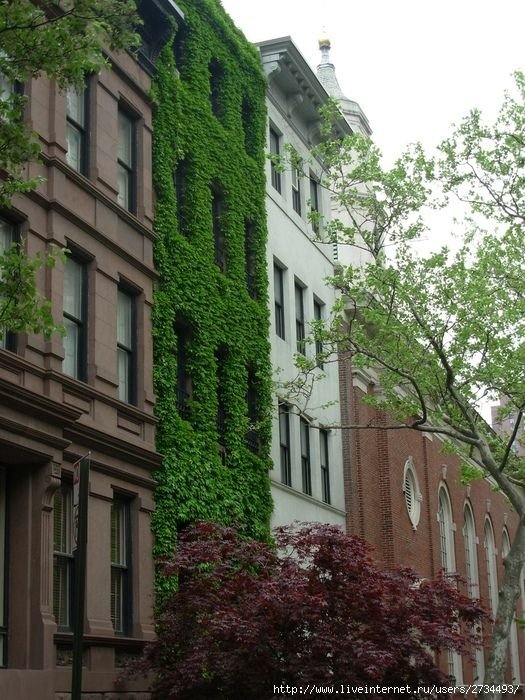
pixel 89 392
pixel 405 497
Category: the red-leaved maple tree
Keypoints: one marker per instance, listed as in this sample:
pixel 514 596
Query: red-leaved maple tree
pixel 250 618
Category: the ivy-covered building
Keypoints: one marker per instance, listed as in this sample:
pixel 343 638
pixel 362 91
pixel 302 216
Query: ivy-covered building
pixel 212 359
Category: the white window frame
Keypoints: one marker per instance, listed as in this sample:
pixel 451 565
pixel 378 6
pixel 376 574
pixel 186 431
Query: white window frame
pixel 412 493
pixel 489 544
pixel 472 570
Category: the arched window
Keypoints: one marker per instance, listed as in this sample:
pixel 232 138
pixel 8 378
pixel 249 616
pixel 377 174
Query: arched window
pixel 472 572
pixel 446 533
pixel 513 640
pixel 490 559
pixel 448 563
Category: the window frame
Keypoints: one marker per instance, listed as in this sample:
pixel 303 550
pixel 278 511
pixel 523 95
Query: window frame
pixel 278 293
pixel 296 190
pixel 66 556
pixel 300 324
pixel 324 460
pixel 81 129
pixel 285 460
pixel 446 525
pixel 489 544
pixel 217 215
pixel 130 383
pixel 412 493
pixel 8 340
pixel 306 456
pixel 314 203
pixel 123 567
pixel 318 316
pixel 80 322
pixel 275 152
pixel 216 79
pixel 128 200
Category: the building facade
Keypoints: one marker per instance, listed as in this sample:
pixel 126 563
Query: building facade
pixel 212 357
pixel 307 473
pixel 90 392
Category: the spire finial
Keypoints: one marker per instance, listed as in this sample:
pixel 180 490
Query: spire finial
pixel 325 45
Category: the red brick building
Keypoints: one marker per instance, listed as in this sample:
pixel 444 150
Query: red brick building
pixel 405 497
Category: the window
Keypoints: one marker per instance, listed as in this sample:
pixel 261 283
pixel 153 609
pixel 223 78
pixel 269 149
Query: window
pixel 471 566
pixel 180 45
pixel 216 79
pixel 306 467
pixel 74 319
pixel 412 494
pixel 7 87
pixel 275 150
pixel 325 466
pixel 318 316
pixel 278 285
pixel 446 535
pixel 492 572
pixel 249 256
pixel 299 319
pixel 180 181
pixel 471 558
pixel 126 178
pixel 184 385
pixel 250 137
pixel 217 213
pixel 3 568
pixel 284 442
pixel 120 566
pixel 296 190
pixel 76 129
pixel 252 434
pixel 126 344
pixel 314 204
pixel 7 238
pixel 63 559
pixel 514 657
pixel 448 563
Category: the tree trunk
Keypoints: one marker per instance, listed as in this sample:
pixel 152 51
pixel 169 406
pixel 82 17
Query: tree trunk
pixel 508 595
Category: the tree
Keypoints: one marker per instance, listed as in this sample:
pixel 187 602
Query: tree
pixel 442 330
pixel 64 41
pixel 249 617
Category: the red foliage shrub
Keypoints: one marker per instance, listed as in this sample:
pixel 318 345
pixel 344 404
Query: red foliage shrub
pixel 314 609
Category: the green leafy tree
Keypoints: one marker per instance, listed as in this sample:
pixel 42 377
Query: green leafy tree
pixel 442 330
pixel 63 40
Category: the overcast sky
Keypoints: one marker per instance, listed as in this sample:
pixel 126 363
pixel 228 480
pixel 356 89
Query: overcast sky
pixel 414 66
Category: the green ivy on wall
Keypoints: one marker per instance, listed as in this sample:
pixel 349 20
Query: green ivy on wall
pixel 210 124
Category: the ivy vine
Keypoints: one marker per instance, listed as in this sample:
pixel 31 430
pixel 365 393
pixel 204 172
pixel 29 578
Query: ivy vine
pixel 210 115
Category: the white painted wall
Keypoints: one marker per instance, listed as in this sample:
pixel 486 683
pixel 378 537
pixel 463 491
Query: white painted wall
pixel 291 244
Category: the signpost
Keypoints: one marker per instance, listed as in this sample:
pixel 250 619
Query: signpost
pixel 80 528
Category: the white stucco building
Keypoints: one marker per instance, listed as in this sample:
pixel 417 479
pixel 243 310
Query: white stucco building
pixel 307 478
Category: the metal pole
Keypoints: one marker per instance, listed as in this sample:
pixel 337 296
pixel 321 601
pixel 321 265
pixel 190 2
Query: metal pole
pixel 80 514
